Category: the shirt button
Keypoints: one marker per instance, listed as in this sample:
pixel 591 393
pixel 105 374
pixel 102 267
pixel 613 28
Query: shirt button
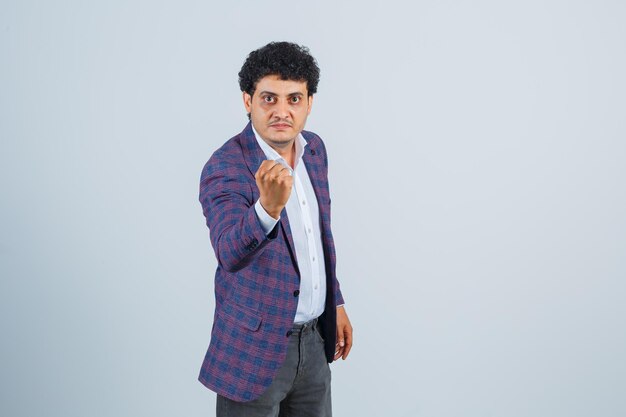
pixel 309 230
pixel 314 259
pixel 315 286
pixel 289 332
pixel 304 202
pixel 296 293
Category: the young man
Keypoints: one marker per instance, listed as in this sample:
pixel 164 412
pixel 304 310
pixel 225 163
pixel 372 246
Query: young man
pixel 279 316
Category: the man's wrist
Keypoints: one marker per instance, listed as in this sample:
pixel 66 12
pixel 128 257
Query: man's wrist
pixel 273 212
pixel 267 221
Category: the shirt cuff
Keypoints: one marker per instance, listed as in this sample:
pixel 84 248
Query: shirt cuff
pixel 267 222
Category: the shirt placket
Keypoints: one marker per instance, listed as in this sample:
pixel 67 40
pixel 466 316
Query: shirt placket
pixel 305 211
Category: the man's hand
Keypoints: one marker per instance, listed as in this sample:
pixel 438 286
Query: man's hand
pixel 274 182
pixel 344 334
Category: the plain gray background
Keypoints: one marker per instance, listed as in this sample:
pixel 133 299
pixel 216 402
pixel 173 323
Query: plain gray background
pixel 477 174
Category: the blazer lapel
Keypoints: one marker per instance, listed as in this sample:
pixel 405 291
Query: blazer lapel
pixel 252 152
pixel 284 222
pixel 316 169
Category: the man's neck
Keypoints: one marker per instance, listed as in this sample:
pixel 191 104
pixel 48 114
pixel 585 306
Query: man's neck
pixel 287 152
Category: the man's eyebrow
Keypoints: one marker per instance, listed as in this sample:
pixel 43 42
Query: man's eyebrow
pixel 297 93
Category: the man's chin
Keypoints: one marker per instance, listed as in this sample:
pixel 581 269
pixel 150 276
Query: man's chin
pixel 281 141
pixel 283 138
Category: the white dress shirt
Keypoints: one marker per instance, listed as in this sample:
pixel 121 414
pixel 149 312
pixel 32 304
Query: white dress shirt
pixel 304 222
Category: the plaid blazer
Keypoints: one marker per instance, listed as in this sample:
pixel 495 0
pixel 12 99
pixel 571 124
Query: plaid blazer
pixel 257 275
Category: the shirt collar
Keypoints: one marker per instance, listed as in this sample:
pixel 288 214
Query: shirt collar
pixel 270 153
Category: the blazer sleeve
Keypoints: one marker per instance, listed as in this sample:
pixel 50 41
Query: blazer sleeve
pixel 227 202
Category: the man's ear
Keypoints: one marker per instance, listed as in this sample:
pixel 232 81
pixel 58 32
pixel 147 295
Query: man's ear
pixel 247 101
pixel 308 110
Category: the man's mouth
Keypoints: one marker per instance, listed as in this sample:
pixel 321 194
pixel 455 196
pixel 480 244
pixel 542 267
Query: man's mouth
pixel 280 125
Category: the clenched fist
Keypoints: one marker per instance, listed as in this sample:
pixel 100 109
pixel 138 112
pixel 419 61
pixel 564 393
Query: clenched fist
pixel 274 181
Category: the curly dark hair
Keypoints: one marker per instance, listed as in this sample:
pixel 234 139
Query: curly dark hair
pixel 287 60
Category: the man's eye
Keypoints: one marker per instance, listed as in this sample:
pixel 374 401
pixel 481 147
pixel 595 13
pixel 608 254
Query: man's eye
pixel 295 99
pixel 268 99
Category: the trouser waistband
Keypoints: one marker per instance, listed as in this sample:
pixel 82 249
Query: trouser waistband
pixel 302 327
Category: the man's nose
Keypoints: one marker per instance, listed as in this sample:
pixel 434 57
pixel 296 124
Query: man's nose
pixel 282 109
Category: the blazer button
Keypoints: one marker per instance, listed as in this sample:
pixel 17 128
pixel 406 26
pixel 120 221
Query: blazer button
pixel 289 333
pixel 296 293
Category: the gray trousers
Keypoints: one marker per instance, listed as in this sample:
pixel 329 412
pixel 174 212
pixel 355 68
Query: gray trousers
pixel 301 387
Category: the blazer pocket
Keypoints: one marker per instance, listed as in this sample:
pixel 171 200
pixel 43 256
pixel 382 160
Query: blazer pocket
pixel 240 315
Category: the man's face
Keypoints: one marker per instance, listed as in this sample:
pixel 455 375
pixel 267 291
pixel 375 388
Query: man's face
pixel 278 109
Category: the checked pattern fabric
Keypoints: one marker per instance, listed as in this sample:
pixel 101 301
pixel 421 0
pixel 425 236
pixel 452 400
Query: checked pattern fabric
pixel 257 275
